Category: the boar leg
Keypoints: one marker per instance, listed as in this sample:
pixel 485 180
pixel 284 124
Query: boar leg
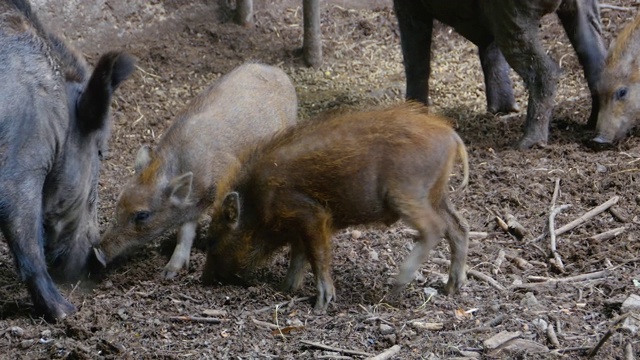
pixel 516 26
pixel 180 256
pixel 581 22
pixel 416 26
pixel 457 234
pixel 24 233
pixel 499 89
pixel 295 272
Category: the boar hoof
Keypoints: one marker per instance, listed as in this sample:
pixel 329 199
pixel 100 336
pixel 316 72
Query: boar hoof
pixel 504 109
pixel 169 274
pixel 57 312
pixel 529 142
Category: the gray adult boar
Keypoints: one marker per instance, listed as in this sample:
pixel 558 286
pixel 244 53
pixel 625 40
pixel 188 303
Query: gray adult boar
pixel 176 183
pixel 54 123
pixel 619 87
pixel 506 33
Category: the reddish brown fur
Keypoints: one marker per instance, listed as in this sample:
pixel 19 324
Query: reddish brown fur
pixel 306 182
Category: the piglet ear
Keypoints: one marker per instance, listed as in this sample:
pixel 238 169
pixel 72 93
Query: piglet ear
pixel 143 158
pixel 231 209
pixel 93 106
pixel 181 189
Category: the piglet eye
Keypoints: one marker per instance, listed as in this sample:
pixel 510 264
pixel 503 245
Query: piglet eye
pixel 621 93
pixel 141 216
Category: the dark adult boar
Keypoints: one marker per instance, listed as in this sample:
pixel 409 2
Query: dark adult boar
pixel 619 87
pixel 54 123
pixel 506 33
pixel 174 184
pixel 310 180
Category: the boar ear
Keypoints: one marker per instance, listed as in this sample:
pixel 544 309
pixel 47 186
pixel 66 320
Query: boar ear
pixel 93 105
pixel 231 209
pixel 181 189
pixel 143 158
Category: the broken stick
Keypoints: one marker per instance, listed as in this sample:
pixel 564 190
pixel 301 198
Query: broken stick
pixel 610 234
pixel 331 348
pixel 387 354
pixel 210 320
pixel 551 281
pixel 552 236
pixel 587 216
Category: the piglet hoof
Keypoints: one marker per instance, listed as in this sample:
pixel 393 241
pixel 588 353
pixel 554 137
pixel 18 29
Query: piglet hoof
pixel 100 256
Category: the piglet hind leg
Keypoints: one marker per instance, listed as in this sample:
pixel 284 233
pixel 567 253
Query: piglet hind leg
pixel 457 234
pixel 180 256
pixel 423 218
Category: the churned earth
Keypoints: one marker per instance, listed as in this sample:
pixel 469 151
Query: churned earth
pixel 516 288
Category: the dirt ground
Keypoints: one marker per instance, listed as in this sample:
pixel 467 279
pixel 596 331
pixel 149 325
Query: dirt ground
pixel 131 312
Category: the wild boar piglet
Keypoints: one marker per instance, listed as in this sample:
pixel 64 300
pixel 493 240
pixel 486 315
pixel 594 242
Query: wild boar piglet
pixel 176 182
pixel 619 88
pixel 301 185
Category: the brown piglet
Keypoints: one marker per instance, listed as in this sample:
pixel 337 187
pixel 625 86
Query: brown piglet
pixel 175 183
pixel 300 186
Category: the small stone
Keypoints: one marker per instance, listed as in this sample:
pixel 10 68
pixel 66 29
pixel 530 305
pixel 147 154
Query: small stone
pixel 373 255
pixel 632 303
pixel 27 343
pixel 529 301
pixel 500 338
pixel 386 329
pixel 430 292
pixel 16 331
pixel 46 334
pixel 540 324
pixel 356 234
pixel 122 314
pixel 391 338
pixel 601 168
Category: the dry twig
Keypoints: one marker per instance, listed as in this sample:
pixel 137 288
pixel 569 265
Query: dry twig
pixel 610 234
pixel 387 354
pixel 551 334
pixel 279 305
pixel 552 236
pixel 210 320
pixel 548 281
pixel 615 7
pixel 331 348
pixel 587 216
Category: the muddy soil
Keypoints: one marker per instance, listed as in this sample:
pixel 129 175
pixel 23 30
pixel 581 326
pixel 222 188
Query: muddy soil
pixel 515 287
